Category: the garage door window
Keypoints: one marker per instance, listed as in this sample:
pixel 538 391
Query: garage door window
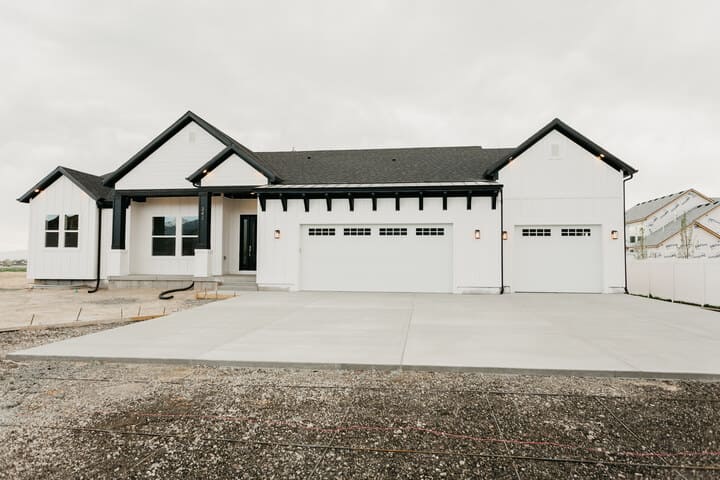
pixel 429 232
pixel 575 232
pixel 356 232
pixel 389 232
pixel 317 232
pixel 536 232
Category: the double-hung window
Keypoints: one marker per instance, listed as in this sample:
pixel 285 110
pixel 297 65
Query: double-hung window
pixel 163 236
pixel 189 235
pixel 52 231
pixel 72 227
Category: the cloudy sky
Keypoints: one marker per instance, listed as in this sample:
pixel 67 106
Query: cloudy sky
pixel 87 84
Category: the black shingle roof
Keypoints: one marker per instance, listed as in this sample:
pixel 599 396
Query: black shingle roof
pixel 383 165
pixel 90 184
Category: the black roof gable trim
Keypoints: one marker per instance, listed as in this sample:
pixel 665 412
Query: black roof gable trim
pixel 572 134
pixel 166 135
pixel 242 152
pixel 88 183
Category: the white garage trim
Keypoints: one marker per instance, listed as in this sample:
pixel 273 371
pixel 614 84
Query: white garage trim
pixel 558 258
pixel 376 257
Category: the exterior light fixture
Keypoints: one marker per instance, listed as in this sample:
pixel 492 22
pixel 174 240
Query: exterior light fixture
pixel 277 234
pixel 602 155
pixel 205 171
pixel 614 234
pixel 477 234
pixel 37 190
pixel 504 235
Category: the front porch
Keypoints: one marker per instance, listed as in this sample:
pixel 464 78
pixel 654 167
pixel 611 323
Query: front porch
pixel 171 240
pixel 235 283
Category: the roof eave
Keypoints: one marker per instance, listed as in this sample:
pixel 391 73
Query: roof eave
pixel 572 134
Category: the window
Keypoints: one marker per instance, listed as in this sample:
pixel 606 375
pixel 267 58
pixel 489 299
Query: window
pixel 163 236
pixel 72 225
pixel 632 238
pixel 536 232
pixel 356 232
pixel 52 231
pixel 189 235
pixel 316 232
pixel 429 231
pixel 393 232
pixel 575 232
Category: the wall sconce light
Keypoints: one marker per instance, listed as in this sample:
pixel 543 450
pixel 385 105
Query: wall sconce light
pixel 504 235
pixel 276 234
pixel 477 234
pixel 614 234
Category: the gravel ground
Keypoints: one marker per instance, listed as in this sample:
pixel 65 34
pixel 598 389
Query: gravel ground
pixel 92 420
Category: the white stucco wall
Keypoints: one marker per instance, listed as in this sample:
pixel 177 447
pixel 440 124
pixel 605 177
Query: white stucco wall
pixel 475 264
pixel 169 166
pixel 572 188
pixel 235 172
pixel 62 198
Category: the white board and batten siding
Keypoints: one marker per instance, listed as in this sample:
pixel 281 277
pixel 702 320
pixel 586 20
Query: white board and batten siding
pixel 169 166
pixel 140 219
pixel 62 198
pixel 234 171
pixel 454 262
pixel 558 184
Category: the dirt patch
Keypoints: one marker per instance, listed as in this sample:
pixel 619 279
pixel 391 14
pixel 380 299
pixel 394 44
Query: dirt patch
pixel 22 306
pixel 105 420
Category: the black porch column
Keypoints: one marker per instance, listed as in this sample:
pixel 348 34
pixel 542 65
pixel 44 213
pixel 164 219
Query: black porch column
pixel 204 214
pixel 120 205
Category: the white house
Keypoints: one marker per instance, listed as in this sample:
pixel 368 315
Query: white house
pixel 655 227
pixel 196 205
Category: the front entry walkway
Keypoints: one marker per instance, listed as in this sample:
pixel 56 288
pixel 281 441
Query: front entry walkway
pixel 538 333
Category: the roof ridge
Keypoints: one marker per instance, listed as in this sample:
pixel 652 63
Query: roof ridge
pixel 383 149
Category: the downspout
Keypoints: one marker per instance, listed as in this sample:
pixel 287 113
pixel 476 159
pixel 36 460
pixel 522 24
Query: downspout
pixel 625 232
pixel 502 244
pixel 99 249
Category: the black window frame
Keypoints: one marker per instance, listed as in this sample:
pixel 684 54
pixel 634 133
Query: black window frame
pixel 158 239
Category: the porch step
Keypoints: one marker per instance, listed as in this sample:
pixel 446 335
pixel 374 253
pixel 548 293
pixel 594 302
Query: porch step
pixel 239 283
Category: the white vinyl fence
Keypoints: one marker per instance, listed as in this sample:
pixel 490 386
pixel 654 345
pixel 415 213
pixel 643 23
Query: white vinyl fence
pixel 692 281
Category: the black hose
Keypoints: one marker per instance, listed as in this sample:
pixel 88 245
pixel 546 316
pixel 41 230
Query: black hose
pixel 99 251
pixel 164 295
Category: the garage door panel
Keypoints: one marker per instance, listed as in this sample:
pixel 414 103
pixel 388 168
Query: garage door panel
pixel 385 258
pixel 557 258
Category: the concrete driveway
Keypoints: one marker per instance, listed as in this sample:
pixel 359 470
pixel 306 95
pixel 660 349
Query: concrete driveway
pixel 542 333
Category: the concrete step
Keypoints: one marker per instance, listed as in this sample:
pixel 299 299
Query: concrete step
pixel 239 283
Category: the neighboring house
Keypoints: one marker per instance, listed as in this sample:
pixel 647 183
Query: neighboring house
pixel 194 204
pixel 697 235
pixel 654 227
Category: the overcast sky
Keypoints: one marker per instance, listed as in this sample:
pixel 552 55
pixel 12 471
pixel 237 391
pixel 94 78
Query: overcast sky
pixel 87 84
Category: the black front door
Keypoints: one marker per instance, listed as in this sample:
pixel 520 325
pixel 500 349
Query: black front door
pixel 248 242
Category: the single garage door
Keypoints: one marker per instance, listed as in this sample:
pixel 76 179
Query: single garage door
pixel 557 258
pixel 376 258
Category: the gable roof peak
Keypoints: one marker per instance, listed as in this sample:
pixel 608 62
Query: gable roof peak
pixel 565 129
pixel 171 131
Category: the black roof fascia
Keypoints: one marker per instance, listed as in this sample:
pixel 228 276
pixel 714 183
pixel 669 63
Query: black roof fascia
pixel 50 179
pixel 572 134
pixel 168 192
pixel 166 135
pixel 382 191
pixel 239 150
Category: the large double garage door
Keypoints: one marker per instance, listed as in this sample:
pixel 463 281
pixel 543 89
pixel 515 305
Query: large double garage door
pixel 377 258
pixel 557 258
